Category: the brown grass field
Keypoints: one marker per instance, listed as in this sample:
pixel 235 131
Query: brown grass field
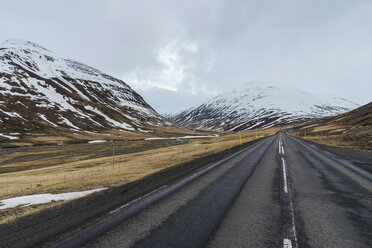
pixel 76 167
pixel 339 134
pixel 352 130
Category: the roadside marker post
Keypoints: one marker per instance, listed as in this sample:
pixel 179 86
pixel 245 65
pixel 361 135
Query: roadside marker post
pixel 113 154
pixel 240 137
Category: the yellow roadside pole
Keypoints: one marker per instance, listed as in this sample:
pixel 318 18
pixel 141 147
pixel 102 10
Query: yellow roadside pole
pixel 305 134
pixel 240 137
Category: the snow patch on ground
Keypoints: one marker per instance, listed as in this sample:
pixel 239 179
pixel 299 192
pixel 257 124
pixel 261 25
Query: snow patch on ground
pixel 197 137
pixel 68 123
pixel 8 137
pixel 122 125
pixel 161 138
pixel 184 137
pixel 97 141
pixel 46 120
pixel 145 131
pixel 43 198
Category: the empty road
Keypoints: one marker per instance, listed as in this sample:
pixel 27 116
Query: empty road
pixel 278 192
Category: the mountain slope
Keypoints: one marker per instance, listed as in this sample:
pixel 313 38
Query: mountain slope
pixel 349 130
pixel 260 105
pixel 40 92
pixel 360 117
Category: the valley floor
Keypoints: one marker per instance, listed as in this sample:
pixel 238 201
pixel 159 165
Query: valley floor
pixel 278 191
pixel 98 164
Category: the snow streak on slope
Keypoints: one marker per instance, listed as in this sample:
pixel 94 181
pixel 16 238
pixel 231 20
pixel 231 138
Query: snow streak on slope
pixel 39 91
pixel 260 105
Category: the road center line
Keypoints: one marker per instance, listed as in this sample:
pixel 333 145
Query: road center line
pixel 293 225
pixel 287 243
pixel 281 147
pixel 285 186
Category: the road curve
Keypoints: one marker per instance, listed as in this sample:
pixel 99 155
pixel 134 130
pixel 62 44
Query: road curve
pixel 279 192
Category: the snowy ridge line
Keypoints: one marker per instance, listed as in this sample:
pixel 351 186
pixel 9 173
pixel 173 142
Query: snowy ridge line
pixel 260 105
pixel 59 90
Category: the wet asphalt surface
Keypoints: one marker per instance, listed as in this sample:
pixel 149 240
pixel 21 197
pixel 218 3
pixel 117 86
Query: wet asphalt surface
pixel 278 192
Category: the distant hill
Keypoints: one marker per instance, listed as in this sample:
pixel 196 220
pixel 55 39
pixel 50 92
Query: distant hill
pixel 260 105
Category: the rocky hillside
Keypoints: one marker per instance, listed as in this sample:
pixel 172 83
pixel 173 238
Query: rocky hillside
pixel 260 105
pixel 361 116
pixel 351 130
pixel 40 92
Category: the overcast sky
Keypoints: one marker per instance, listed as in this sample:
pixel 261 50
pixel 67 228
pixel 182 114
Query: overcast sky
pixel 178 54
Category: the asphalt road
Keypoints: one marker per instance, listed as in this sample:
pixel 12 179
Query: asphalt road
pixel 278 192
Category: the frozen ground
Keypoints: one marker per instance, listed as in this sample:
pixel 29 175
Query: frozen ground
pixel 184 137
pixel 43 198
pixel 97 141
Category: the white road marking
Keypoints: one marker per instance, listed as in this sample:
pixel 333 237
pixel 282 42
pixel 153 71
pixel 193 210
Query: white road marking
pixel 285 176
pixel 287 243
pixel 198 173
pixel 137 199
pixel 281 147
pixel 293 225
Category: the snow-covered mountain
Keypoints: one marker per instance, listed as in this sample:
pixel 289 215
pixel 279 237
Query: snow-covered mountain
pixel 260 105
pixel 40 91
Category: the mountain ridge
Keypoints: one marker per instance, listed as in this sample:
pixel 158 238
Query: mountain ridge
pixel 40 91
pixel 260 105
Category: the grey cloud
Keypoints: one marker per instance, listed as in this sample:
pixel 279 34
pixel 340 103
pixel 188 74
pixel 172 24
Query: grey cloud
pixel 322 45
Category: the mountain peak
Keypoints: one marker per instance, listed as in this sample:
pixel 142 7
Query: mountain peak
pixel 41 91
pixel 260 104
pixel 21 44
pixel 263 84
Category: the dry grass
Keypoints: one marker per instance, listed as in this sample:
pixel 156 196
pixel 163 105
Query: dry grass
pixel 351 130
pixel 63 136
pixel 335 134
pixel 11 214
pixel 78 167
